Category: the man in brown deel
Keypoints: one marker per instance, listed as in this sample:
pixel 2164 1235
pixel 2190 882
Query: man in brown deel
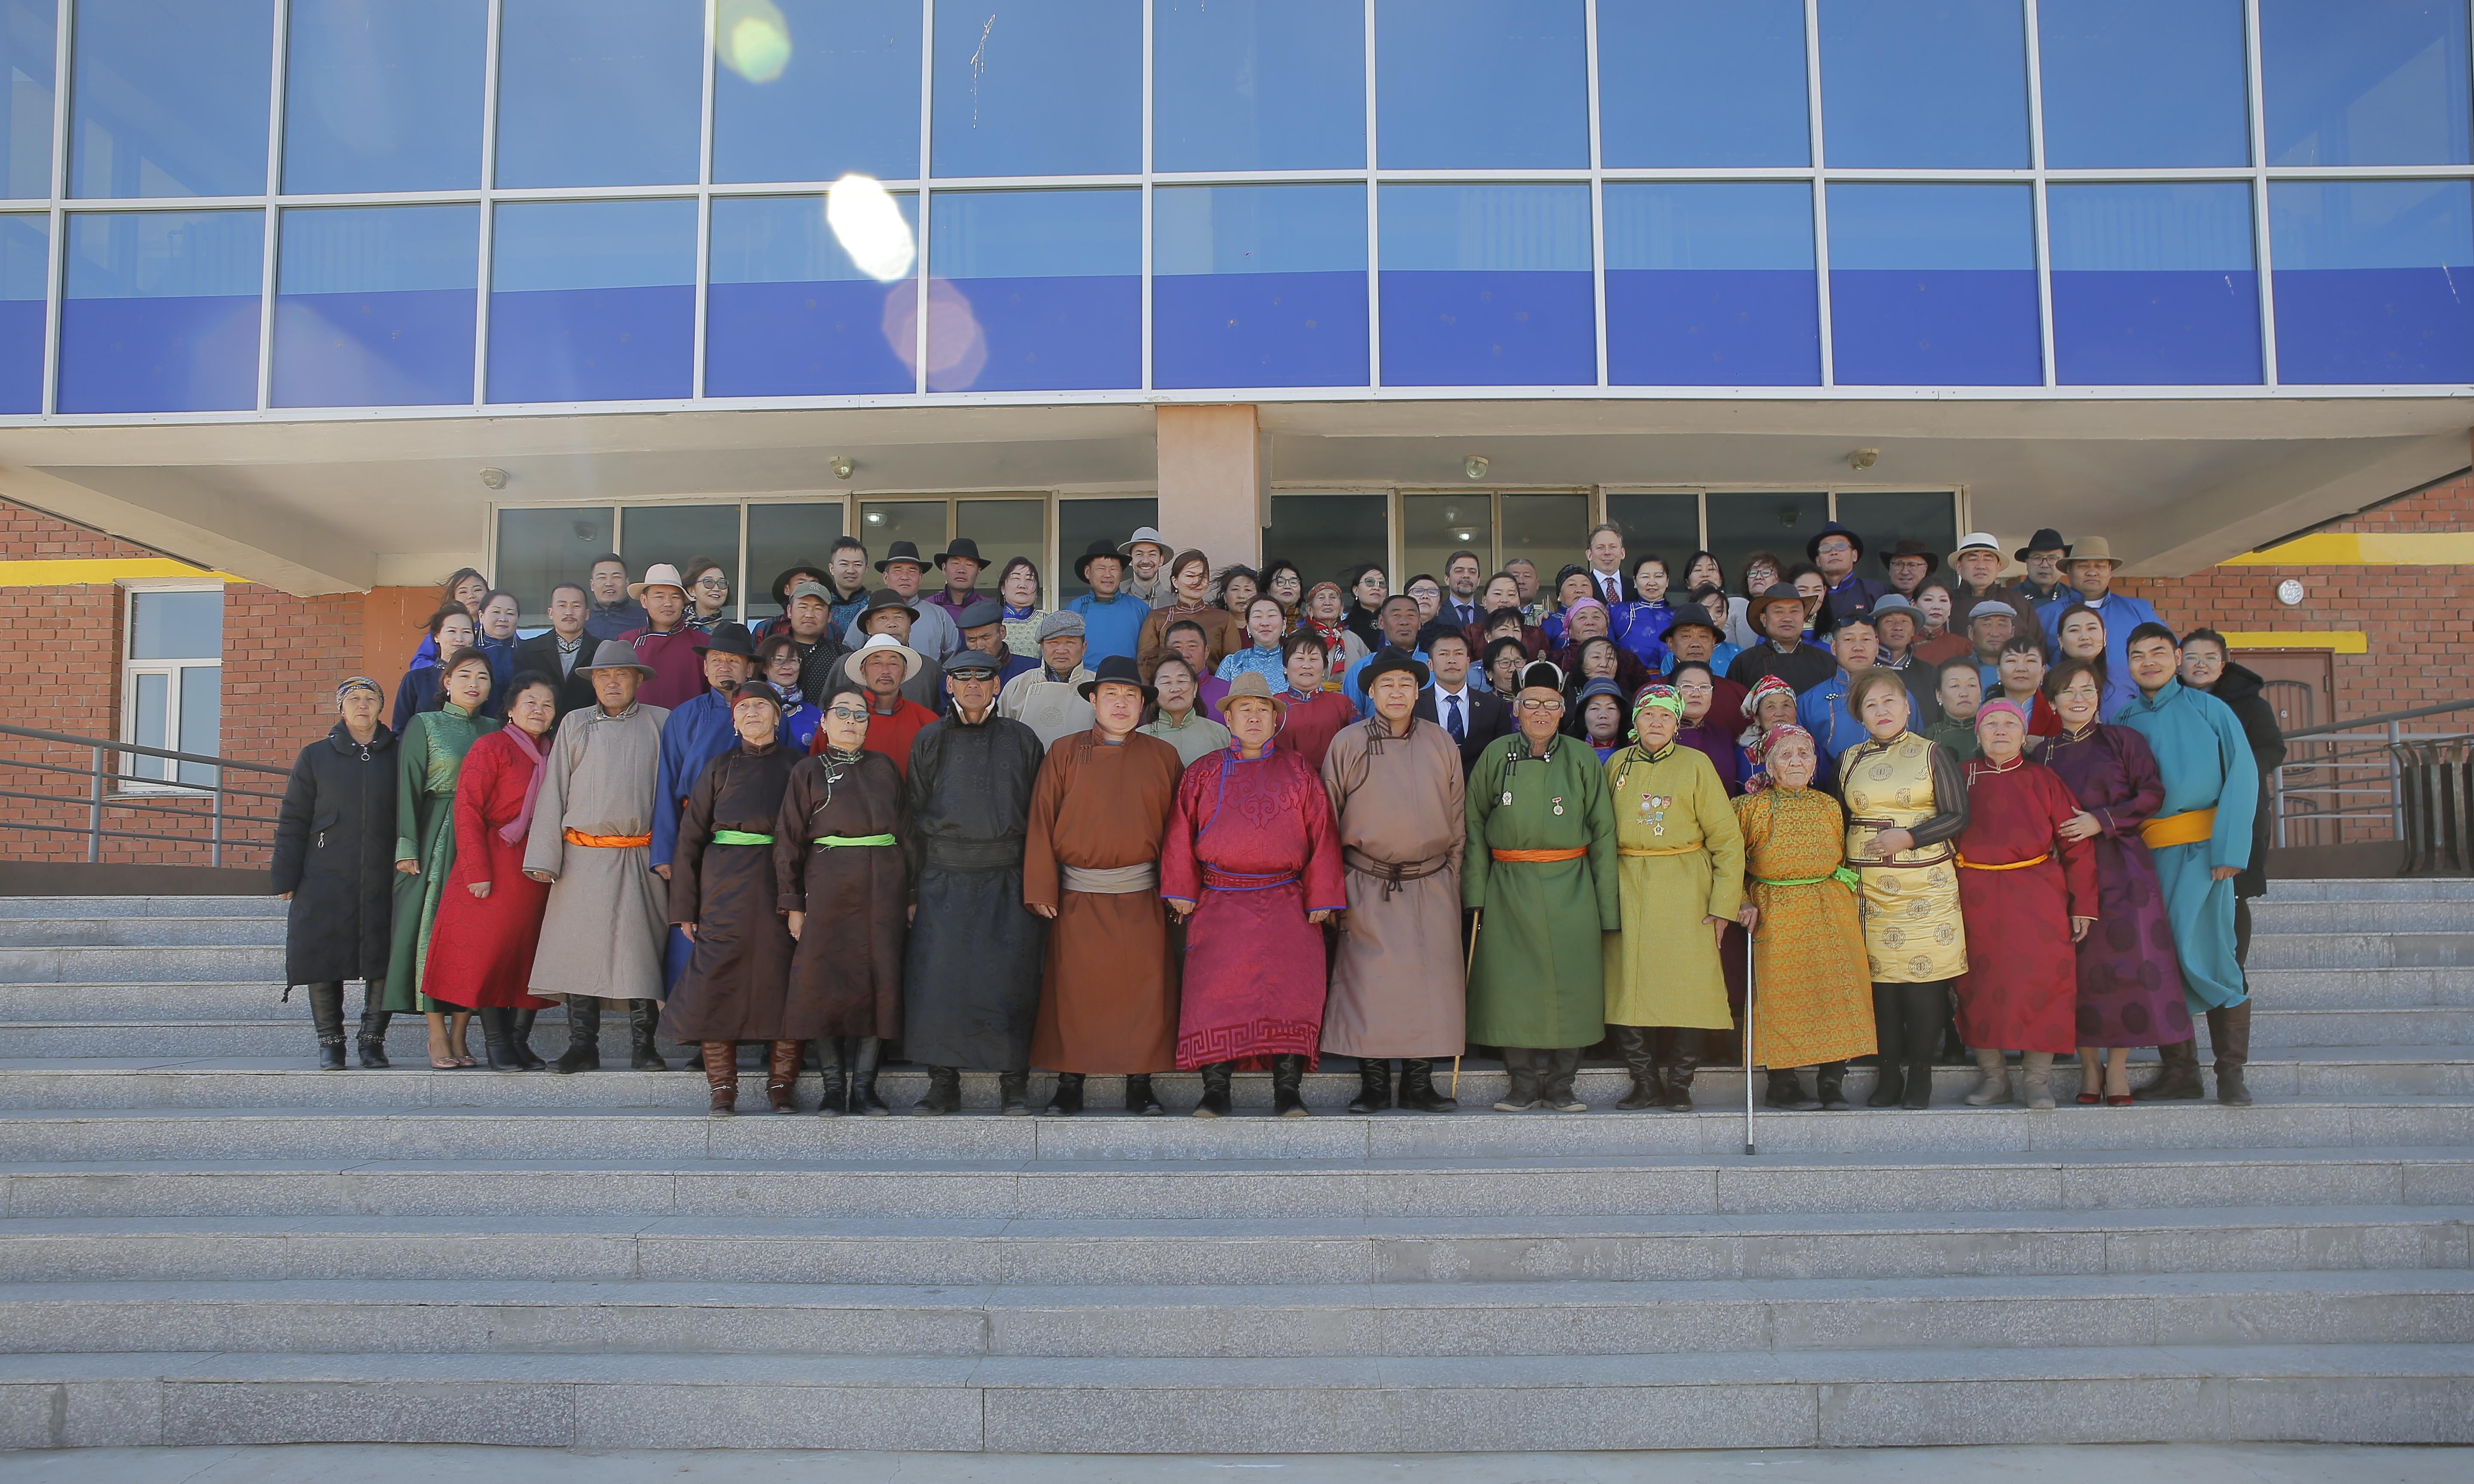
pixel 1107 1002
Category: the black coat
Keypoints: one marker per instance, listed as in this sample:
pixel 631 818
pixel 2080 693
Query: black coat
pixel 972 968
pixel 1490 716
pixel 2240 687
pixel 541 652
pixel 334 852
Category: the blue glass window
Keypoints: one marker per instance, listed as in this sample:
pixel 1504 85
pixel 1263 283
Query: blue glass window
pixel 2365 83
pixel 169 97
pixel 161 312
pixel 1711 285
pixel 383 95
pixel 1481 84
pixel 790 314
pixel 1039 87
pixel 2371 279
pixel 816 90
pixel 28 46
pixel 374 306
pixel 2153 285
pixel 1933 285
pixel 593 301
pixel 1488 285
pixel 599 92
pixel 25 268
pixel 1909 85
pixel 1684 82
pixel 1257 84
pixel 1035 291
pixel 2144 83
pixel 1258 286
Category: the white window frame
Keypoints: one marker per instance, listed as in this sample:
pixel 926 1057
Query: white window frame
pixel 132 764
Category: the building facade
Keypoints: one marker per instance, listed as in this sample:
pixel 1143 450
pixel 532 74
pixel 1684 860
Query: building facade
pixel 333 296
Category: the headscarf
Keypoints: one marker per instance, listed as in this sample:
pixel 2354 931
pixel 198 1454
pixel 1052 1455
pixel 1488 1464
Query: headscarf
pixel 1331 633
pixel 2001 704
pixel 1786 732
pixel 1767 686
pixel 358 682
pixel 1576 607
pixel 1666 698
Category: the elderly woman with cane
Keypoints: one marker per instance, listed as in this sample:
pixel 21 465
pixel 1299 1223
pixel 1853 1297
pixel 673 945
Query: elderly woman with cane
pixel 1816 997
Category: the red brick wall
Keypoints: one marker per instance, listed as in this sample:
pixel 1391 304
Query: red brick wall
pixel 2415 616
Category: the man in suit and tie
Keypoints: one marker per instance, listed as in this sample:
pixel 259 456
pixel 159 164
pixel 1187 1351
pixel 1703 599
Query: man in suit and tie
pixel 1606 567
pixel 1461 573
pixel 1472 716
pixel 557 652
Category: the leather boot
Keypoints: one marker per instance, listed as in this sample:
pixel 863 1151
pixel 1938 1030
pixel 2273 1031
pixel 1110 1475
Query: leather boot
pixel 2181 1078
pixel 495 1034
pixel 583 1036
pixel 1787 1090
pixel 2036 1078
pixel 1995 1086
pixel 371 1043
pixel 1067 1100
pixel 519 1040
pixel 1555 1082
pixel 781 1077
pixel 1640 1052
pixel 1140 1098
pixel 720 1078
pixel 944 1093
pixel 829 1071
pixel 1681 1062
pixel 1214 1103
pixel 643 1015
pixel 1417 1094
pixel 326 1019
pixel 1919 1079
pixel 1830 1084
pixel 1521 1063
pixel 1014 1093
pixel 2229 1037
pixel 862 1078
pixel 1890 1076
pixel 1373 1086
pixel 1288 1081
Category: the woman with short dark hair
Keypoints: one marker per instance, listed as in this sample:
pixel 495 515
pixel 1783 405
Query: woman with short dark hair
pixel 335 853
pixel 430 762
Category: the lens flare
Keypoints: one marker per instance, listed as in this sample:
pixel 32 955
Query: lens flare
pixel 752 38
pixel 868 225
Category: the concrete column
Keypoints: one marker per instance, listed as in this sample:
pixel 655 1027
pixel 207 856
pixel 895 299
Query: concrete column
pixel 1210 482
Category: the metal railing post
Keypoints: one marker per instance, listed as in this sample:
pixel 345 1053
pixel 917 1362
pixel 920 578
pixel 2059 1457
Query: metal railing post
pixel 2396 785
pixel 215 851
pixel 95 813
pixel 2276 802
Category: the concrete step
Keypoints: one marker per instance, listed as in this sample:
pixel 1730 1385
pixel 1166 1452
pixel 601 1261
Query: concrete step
pixel 1528 1184
pixel 346 1135
pixel 2322 989
pixel 1561 1318
pixel 119 965
pixel 2360 917
pixel 2370 888
pixel 140 932
pixel 1380 1249
pixel 145 906
pixel 2274 1075
pixel 2274 1026
pixel 2363 949
pixel 1846 1397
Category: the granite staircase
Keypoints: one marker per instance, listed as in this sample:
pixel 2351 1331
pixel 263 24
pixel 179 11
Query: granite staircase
pixel 204 1240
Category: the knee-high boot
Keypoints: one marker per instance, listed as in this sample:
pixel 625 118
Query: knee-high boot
pixel 2229 1037
pixel 2179 1077
pixel 326 1019
pixel 1214 1103
pixel 1996 1085
pixel 1287 1086
pixel 519 1040
pixel 643 1015
pixel 1636 1044
pixel 720 1078
pixel 1683 1060
pixel 371 1043
pixel 1373 1085
pixel 829 1067
pixel 496 1022
pixel 1417 1094
pixel 866 1051
pixel 583 1052
pixel 1889 1034
pixel 1555 1080
pixel 781 1077
pixel 1521 1063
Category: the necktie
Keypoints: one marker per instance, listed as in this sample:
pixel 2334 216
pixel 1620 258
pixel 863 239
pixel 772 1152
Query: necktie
pixel 1613 594
pixel 1453 723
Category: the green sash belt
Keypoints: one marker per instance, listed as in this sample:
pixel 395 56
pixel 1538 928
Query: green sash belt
pixel 1844 874
pixel 830 842
pixel 740 837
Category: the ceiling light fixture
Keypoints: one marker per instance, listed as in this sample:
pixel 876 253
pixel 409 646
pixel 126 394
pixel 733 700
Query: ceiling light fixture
pixel 495 478
pixel 1474 466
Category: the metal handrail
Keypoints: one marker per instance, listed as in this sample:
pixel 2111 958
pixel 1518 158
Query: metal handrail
pixel 206 803
pixel 2372 768
pixel 2381 719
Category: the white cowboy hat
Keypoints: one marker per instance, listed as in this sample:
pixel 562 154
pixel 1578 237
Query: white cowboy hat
pixel 879 645
pixel 661 574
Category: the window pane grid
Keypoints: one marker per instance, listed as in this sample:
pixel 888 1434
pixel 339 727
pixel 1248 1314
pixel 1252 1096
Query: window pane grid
pixel 2383 107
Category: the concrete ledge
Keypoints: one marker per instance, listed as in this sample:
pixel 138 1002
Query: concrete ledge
pixel 79 879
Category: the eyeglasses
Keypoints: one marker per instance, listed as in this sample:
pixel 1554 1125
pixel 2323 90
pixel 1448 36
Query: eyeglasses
pixel 713 580
pixel 843 713
pixel 1541 706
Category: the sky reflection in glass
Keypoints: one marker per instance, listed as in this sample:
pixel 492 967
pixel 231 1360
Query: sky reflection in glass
pixel 1479 85
pixel 2372 280
pixel 161 312
pixel 1686 83
pixel 833 90
pixel 593 301
pixel 2133 84
pixel 1031 87
pixel 374 305
pixel 1712 284
pixel 1035 291
pixel 1257 84
pixel 788 313
pixel 1913 84
pixel 383 95
pixel 1933 285
pixel 1258 286
pixel 169 97
pixel 599 92
pixel 2153 284
pixel 1488 285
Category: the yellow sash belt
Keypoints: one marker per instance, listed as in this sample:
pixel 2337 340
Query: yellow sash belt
pixel 2188 828
pixel 2016 865
pixel 1680 850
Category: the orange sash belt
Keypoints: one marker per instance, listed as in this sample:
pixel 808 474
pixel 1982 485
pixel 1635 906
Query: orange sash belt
pixel 1540 857
pixel 2188 828
pixel 2016 865
pixel 607 842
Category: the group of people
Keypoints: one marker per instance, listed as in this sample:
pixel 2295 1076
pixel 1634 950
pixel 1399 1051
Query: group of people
pixel 1215 820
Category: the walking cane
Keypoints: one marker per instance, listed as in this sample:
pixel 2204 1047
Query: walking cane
pixel 1466 970
pixel 1748 1041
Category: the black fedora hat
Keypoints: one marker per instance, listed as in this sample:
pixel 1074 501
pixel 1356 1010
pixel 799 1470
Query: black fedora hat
pixel 1911 548
pixel 1119 670
pixel 1103 548
pixel 731 638
pixel 1696 616
pixel 2046 539
pixel 781 583
pixel 1812 548
pixel 1387 661
pixel 903 551
pixel 960 546
pixel 883 598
